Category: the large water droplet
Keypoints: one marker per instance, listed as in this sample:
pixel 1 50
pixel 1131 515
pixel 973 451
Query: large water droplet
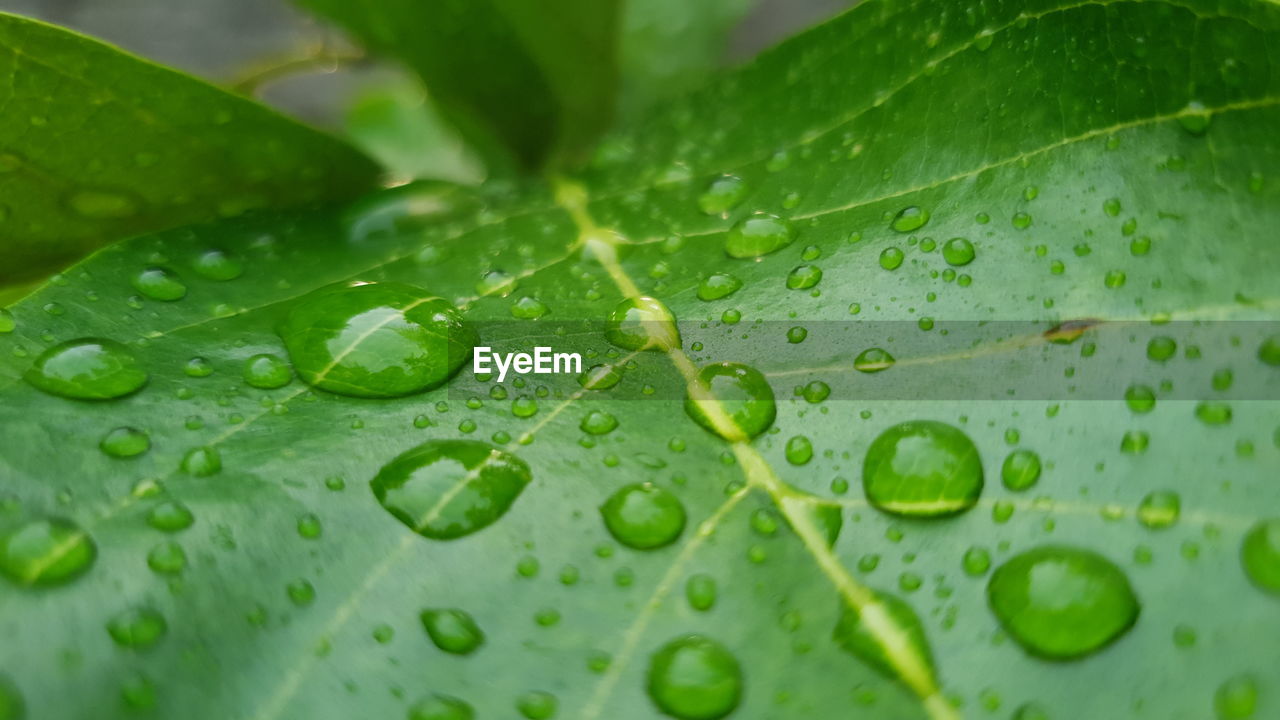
pixel 642 323
pixel 731 400
pixel 909 219
pixel 453 631
pixel 922 468
pixel 958 251
pixel 87 369
pixel 377 340
pixel 643 516
pixel 873 360
pixel 1260 555
pixel 445 489
pixel 695 678
pixel 46 552
pixel 159 284
pixel 1062 603
pixel 758 235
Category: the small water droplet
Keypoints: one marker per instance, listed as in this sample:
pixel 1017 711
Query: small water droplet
pixel 700 591
pixel 137 628
pixel 958 251
pixel 159 284
pixel 643 516
pixel 758 235
pixel 1021 470
pixel 528 308
pixel 910 219
pixel 202 462
pixel 598 422
pixel 722 195
pixel 217 265
pixel 170 516
pixel 441 707
pixel 266 372
pixel 1260 555
pixel 718 285
pixel 891 258
pixel 873 360
pixel 453 631
pixel 695 678
pixel 125 442
pixel 804 277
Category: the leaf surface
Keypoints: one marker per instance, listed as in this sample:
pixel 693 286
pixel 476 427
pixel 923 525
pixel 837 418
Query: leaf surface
pixel 1066 151
pixel 96 144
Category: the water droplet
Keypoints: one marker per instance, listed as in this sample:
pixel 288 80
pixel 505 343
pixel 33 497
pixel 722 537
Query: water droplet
pixel 1213 413
pixel 910 219
pixel 922 468
pixel 1161 348
pixel 453 631
pixel 1268 351
pixel 642 323
pixel 598 422
pixel 528 308
pixel 445 489
pixel 804 277
pixel 799 450
pixel 300 592
pixel 643 516
pixel 202 462
pixel 853 634
pixel 266 372
pixel 891 258
pixel 159 284
pixel 722 195
pixel 125 442
pixel 958 251
pixel 197 367
pixel 1195 118
pixel 1159 509
pixel 138 628
pixel 758 235
pixel 441 707
pixel 700 591
pixel 46 552
pixel 731 400
pixel 1021 470
pixel 873 360
pixel 167 558
pixel 217 265
pixel 600 377
pixel 12 704
pixel 1062 603
pixel 7 323
pixel 718 285
pixel 695 678
pixel 170 516
pixel 976 561
pixel 1236 698
pixel 1135 442
pixel 87 369
pixel 537 705
pixel 1260 555
pixel 102 204
pixel 1140 398
pixel 377 340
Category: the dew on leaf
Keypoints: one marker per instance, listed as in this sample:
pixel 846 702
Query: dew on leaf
pixel 1062 603
pixel 167 558
pixel 958 251
pixel 124 442
pixel 1236 698
pixel 266 372
pixel 445 489
pixel 700 591
pixel 909 219
pixel 922 468
pixel 1161 348
pixel 197 367
pixel 1195 118
pixel 216 265
pixel 441 707
pixel 1159 509
pixel 695 678
pixel 855 633
pixel 598 422
pixel 453 631
pixel 1260 555
pixel 7 323
pixel 1135 442
pixel 600 377
pixel 732 400
pixel 528 308
pixel 87 369
pixel 643 516
pixel 1213 413
pixel 1140 398
pixel 1269 351
pixel 202 462
pixel 159 284
pixel 1021 470
pixel 170 516
pixel 722 195
pixel 891 258
pixel 718 285
pixel 976 561
pixel 300 592
pixel 799 450
pixel 804 277
pixel 45 552
pixel 137 628
pixel 537 705
pixel 758 235
pixel 376 340
pixel 642 323
pixel 873 360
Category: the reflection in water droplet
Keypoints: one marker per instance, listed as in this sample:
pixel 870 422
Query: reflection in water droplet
pixel 453 631
pixel 731 400
pixel 87 369
pixel 922 468
pixel 642 323
pixel 1062 603
pixel 758 235
pixel 445 489
pixel 377 340
pixel 695 678
pixel 643 516
pixel 46 552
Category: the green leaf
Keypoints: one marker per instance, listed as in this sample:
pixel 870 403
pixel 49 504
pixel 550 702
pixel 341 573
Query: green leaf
pixel 317 554
pixel 96 144
pixel 526 83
